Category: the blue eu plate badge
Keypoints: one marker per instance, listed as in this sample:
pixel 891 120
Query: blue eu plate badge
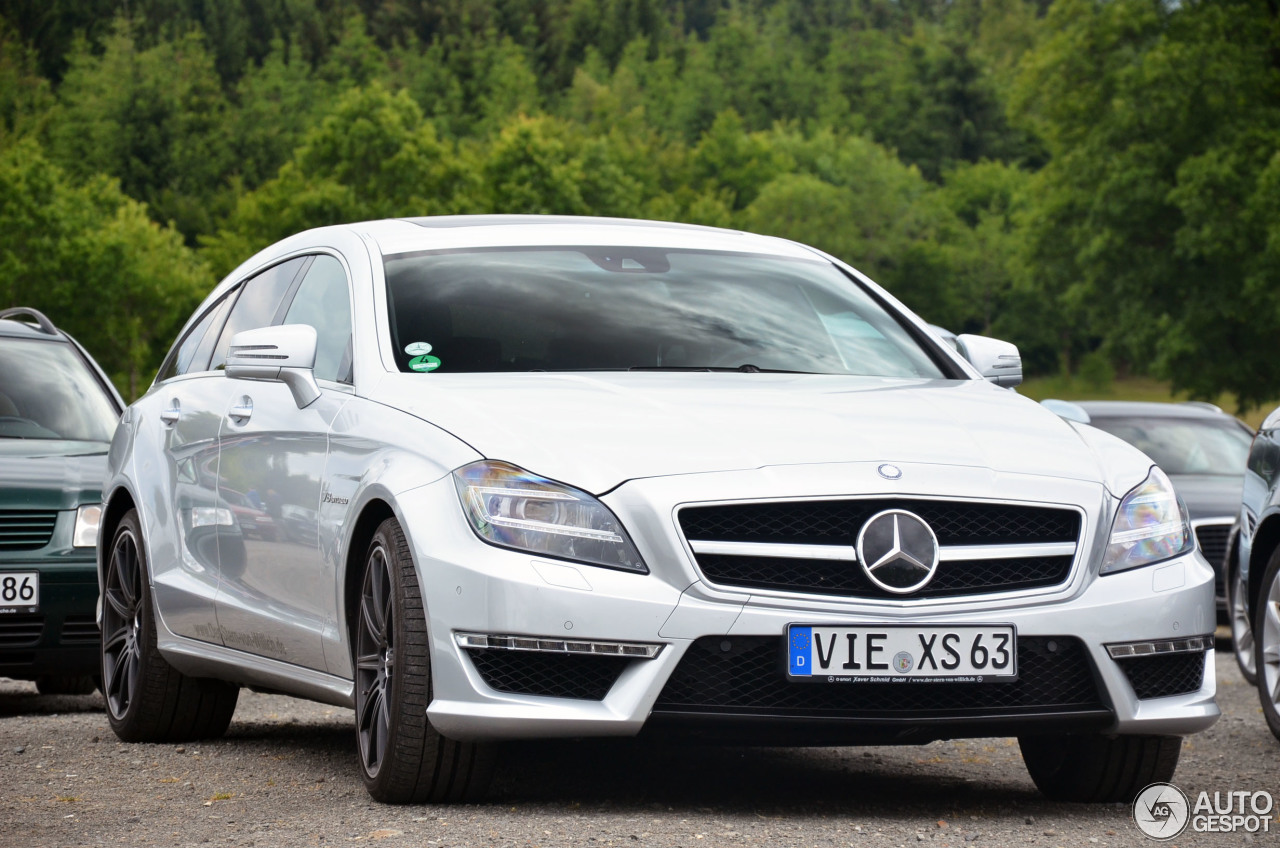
pixel 801 650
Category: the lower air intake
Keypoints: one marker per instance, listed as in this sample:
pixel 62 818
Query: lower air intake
pixel 744 676
pixel 555 675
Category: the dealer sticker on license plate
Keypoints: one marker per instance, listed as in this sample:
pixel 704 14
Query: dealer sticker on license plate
pixel 902 653
pixel 19 591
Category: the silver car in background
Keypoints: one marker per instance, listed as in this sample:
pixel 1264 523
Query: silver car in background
pixel 556 477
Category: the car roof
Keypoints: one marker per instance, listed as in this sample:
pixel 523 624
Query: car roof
pixel 1148 409
pixel 406 235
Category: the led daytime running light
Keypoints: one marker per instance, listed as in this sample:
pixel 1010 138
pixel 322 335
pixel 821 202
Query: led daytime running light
pixel 1124 537
pixel 483 641
pixel 1190 645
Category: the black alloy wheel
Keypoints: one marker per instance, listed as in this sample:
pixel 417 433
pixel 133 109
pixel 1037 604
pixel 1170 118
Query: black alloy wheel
pixel 402 757
pixel 149 700
pixel 375 660
pixel 122 623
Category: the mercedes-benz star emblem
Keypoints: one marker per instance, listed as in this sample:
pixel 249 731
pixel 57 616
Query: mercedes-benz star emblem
pixel 898 551
pixel 889 472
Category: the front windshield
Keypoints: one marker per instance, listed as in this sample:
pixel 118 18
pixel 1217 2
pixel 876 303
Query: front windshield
pixel 590 309
pixel 1185 445
pixel 47 392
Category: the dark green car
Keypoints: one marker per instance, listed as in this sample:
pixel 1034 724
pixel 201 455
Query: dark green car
pixel 57 414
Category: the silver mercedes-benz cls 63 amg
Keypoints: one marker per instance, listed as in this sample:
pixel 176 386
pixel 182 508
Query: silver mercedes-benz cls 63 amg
pixel 488 478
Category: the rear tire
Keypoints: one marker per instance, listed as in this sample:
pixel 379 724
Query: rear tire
pixel 58 684
pixel 1266 635
pixel 1099 769
pixel 403 759
pixel 149 700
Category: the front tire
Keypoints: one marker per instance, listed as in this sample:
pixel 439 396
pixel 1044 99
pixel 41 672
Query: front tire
pixel 402 757
pixel 149 700
pixel 1241 627
pixel 1266 634
pixel 1099 769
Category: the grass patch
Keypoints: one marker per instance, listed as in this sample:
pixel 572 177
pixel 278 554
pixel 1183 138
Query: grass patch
pixel 1132 388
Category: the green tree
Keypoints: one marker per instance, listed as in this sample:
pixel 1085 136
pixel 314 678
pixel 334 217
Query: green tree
pixel 25 96
pixel 154 119
pixel 1152 228
pixel 373 156
pixel 92 259
pixel 857 201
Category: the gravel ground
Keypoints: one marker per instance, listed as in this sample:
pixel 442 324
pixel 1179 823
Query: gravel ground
pixel 286 775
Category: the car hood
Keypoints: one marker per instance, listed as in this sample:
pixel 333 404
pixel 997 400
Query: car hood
pixel 598 430
pixel 1210 495
pixel 51 474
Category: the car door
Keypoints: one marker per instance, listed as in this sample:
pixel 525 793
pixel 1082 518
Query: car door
pixel 278 601
pixel 192 534
pixel 183 522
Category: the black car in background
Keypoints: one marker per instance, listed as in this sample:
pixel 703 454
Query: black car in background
pixel 1203 451
pixel 58 411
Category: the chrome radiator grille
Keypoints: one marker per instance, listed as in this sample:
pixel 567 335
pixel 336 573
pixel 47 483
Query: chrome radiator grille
pixel 808 546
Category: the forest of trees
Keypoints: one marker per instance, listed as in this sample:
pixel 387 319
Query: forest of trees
pixel 1097 181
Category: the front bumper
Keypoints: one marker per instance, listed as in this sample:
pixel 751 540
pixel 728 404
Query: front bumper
pixel 474 588
pixel 62 637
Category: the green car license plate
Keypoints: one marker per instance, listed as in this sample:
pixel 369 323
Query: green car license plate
pixel 19 591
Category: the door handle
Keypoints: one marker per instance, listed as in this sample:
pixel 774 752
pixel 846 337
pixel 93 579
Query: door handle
pixel 242 411
pixel 171 415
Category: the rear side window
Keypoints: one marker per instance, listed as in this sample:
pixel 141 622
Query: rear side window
pixel 257 305
pixel 191 353
pixel 323 302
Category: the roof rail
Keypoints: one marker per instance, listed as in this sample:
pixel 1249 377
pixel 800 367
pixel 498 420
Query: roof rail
pixel 1200 404
pixel 46 326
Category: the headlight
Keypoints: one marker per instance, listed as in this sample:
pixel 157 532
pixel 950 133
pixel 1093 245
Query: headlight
pixel 88 518
pixel 1151 525
pixel 513 508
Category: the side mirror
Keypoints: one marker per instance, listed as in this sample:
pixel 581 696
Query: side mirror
pixel 995 360
pixel 284 354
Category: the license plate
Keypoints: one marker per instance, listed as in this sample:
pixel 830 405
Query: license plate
pixel 902 653
pixel 19 591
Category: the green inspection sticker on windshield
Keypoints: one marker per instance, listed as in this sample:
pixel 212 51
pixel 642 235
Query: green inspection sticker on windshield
pixel 424 363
